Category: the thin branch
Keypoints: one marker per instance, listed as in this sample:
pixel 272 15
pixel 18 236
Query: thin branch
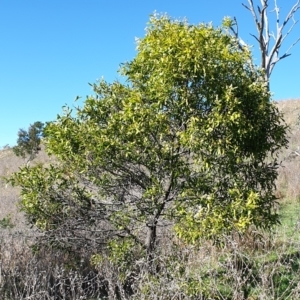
pixel 291 48
pixel 260 16
pixel 252 10
pixel 273 58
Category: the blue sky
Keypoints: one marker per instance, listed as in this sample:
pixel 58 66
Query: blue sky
pixel 51 49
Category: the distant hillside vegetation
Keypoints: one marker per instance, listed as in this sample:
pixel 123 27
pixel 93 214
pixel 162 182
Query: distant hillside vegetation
pixel 291 111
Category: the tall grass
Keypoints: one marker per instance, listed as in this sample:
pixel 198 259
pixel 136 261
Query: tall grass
pixel 242 269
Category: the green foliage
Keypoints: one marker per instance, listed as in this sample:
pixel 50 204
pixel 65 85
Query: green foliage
pixel 6 222
pixel 185 140
pixel 39 196
pixel 228 22
pixel 28 142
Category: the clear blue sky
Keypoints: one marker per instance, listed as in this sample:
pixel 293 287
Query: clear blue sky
pixel 51 49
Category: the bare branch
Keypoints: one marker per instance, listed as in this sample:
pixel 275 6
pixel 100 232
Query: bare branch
pixel 292 12
pixel 291 28
pixel 266 22
pixel 273 57
pixel 288 50
pixel 252 10
pixel 254 36
pixel 246 6
pixel 235 32
pixel 269 58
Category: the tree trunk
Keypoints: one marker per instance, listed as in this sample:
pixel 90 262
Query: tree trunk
pixel 150 244
pixel 151 238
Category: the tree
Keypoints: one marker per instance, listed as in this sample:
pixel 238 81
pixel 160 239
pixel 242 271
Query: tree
pixel 28 142
pixel 269 51
pixel 188 143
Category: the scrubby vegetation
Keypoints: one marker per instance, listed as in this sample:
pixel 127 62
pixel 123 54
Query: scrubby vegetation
pixel 257 265
pixel 123 210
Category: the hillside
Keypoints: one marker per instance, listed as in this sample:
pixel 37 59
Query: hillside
pixel 291 111
pixel 289 173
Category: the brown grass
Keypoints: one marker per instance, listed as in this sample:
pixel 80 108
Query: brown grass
pixel 288 183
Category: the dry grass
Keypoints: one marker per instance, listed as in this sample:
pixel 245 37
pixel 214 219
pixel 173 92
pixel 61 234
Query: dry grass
pixel 44 275
pixel 190 272
pixel 291 111
pixel 289 173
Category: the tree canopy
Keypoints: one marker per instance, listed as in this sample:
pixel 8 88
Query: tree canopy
pixel 28 143
pixel 188 143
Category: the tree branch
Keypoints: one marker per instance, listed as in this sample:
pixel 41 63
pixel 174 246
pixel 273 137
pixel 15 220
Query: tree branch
pixel 260 16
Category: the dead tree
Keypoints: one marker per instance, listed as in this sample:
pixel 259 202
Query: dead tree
pixel 269 42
